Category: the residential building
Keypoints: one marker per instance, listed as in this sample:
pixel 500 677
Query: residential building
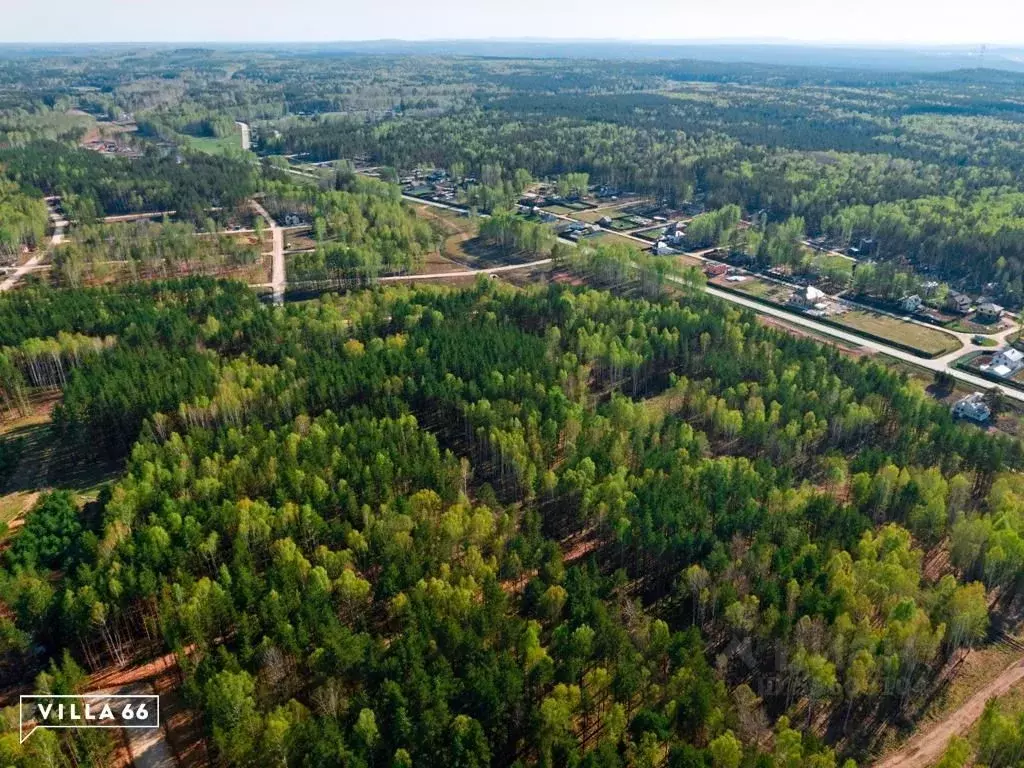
pixel 973 407
pixel 1005 363
pixel 989 312
pixel 808 297
pixel 676 237
pixel 959 302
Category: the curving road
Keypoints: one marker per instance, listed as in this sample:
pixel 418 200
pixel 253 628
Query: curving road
pixel 927 746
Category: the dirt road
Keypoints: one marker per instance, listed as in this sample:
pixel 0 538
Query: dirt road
pixel 278 280
pixel 58 237
pixel 925 749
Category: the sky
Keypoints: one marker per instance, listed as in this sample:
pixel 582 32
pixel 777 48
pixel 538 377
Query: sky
pixel 862 21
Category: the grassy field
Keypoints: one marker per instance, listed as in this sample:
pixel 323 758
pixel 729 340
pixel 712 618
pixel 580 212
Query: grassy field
pixel 966 325
pixel 461 247
pixel 226 145
pixel 652 234
pixel 928 340
pixel 833 261
pixel 762 289
pixel 561 210
pixel 683 260
pixel 594 215
pixel 610 237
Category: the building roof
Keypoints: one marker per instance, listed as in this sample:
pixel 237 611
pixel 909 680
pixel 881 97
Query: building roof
pixel 1012 354
pixel 990 309
pixel 813 294
pixel 974 407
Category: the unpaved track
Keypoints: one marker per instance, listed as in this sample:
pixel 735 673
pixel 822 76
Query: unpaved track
pixel 278 280
pixel 925 749
pixel 56 239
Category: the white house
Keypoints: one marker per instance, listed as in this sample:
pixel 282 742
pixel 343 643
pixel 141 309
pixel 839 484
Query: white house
pixel 1005 362
pixel 808 297
pixel 972 407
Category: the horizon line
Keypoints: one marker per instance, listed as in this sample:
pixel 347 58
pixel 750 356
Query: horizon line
pixel 709 41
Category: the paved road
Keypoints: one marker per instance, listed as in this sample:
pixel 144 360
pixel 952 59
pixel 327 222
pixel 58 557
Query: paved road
pixel 927 746
pixel 278 279
pixel 938 364
pixel 56 239
pixel 246 135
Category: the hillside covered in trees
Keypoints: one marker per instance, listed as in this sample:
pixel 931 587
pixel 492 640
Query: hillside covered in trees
pixel 496 526
pixel 196 186
pixel 602 521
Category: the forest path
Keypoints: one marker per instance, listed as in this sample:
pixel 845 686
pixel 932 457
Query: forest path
pixel 148 746
pixel 278 279
pixel 56 239
pixel 927 747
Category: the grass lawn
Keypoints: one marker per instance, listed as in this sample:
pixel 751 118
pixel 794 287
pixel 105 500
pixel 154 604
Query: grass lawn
pixel 595 215
pixel 652 234
pixel 832 261
pixel 762 289
pixel 622 225
pixel 965 325
pixel 560 210
pixel 226 145
pixel 928 340
pixel 611 237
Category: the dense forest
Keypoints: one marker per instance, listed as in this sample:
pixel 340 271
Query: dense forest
pixel 599 521
pixel 499 526
pixel 23 220
pixel 196 186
